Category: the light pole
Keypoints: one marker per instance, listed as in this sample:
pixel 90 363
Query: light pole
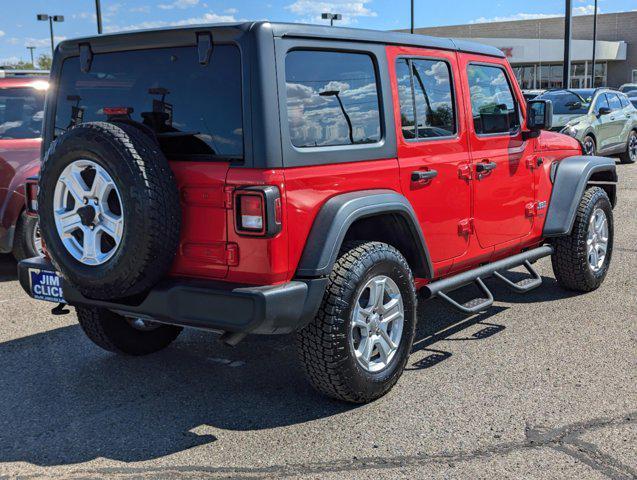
pixel 594 45
pixel 43 17
pixel 566 73
pixel 31 51
pixel 331 17
pixel 336 93
pixel 98 15
pixel 412 16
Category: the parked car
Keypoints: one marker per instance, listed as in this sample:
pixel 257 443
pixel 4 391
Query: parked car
pixel 264 178
pixel 603 120
pixel 628 87
pixel 632 96
pixel 21 114
pixel 531 94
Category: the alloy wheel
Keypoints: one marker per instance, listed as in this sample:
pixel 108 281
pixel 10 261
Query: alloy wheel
pixel 377 323
pixel 597 240
pixel 88 213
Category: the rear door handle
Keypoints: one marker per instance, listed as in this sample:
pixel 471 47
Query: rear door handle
pixel 485 167
pixel 423 175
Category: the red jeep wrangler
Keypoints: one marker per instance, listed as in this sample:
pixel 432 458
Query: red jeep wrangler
pixel 273 178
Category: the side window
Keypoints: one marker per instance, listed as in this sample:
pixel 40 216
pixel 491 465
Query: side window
pixel 406 98
pixel 614 101
pixel 332 98
pixel 600 102
pixel 493 105
pixel 624 99
pixel 426 98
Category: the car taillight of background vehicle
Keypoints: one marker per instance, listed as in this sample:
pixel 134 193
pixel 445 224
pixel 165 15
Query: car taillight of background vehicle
pixel 258 211
pixel 31 197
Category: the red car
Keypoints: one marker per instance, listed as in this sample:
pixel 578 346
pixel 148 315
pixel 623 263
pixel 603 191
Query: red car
pixel 21 114
pixel 265 178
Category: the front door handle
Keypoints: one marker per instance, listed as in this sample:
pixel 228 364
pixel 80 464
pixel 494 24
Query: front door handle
pixel 485 167
pixel 423 175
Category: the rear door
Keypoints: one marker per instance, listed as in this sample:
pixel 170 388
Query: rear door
pixel 432 146
pixel 502 160
pixel 616 121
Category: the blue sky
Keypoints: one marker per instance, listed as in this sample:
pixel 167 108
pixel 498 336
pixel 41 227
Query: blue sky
pixel 19 28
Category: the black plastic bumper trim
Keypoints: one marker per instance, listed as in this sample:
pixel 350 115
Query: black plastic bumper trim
pixel 276 309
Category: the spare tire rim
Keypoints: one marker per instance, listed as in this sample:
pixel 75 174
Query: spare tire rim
pixel 597 240
pixel 88 212
pixel 377 323
pixel 589 146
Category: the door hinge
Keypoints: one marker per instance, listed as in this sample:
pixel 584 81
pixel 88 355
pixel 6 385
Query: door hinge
pixel 227 197
pixel 531 209
pixel 535 162
pixel 465 227
pixel 464 172
pixel 232 254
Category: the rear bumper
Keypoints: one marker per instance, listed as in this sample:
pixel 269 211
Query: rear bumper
pixel 209 305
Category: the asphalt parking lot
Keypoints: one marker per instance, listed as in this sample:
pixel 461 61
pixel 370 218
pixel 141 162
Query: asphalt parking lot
pixel 540 386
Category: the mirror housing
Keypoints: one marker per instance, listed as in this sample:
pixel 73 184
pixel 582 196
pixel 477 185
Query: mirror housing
pixel 603 111
pixel 539 116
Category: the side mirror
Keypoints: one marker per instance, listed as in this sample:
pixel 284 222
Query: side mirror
pixel 603 111
pixel 539 115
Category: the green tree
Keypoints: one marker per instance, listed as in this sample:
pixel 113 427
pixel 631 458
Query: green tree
pixel 44 61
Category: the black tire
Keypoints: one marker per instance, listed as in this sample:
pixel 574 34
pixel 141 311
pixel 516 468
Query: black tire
pixel 150 201
pixel 23 241
pixel 324 346
pixel 570 260
pixel 589 146
pixel 114 333
pixel 630 155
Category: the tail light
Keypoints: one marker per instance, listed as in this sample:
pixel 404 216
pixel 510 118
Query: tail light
pixel 257 211
pixel 31 196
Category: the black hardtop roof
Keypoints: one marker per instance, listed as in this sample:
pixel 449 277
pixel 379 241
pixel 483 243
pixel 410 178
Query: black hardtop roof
pixel 297 30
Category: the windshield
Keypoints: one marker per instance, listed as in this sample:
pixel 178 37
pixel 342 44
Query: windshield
pixel 21 112
pixel 194 109
pixel 569 102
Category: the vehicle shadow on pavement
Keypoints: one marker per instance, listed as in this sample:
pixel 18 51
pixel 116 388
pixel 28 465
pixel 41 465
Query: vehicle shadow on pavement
pixel 8 268
pixel 438 321
pixel 64 401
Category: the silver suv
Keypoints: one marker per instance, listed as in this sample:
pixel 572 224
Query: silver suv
pixel 603 120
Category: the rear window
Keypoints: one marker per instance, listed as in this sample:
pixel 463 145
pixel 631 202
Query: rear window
pixel 194 109
pixel 21 112
pixel 332 98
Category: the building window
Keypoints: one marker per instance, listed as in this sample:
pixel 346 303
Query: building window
pixel 634 76
pixel 332 98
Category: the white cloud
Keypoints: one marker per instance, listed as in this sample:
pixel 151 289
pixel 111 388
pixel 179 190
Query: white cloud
pixel 517 16
pixel 310 11
pixel 13 41
pixel 178 4
pixel 230 11
pixel 42 42
pixel 584 10
pixel 2 34
pixel 9 60
pixel 142 9
pixel 209 17
pixel 83 16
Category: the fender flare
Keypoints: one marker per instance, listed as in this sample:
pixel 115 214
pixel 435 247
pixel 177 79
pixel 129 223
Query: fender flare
pixel 571 178
pixel 336 217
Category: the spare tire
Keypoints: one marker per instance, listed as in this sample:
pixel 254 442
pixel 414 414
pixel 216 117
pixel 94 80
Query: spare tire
pixel 109 210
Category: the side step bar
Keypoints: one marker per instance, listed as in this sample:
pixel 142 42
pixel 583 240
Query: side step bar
pixel 441 288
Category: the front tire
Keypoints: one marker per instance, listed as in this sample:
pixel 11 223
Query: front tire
pixel 119 334
pixel 357 346
pixel 589 147
pixel 630 155
pixel 581 259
